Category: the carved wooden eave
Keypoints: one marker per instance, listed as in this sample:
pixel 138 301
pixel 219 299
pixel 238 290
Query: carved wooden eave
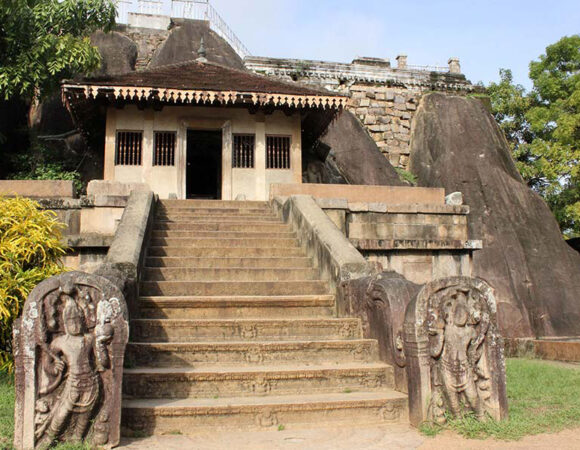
pixel 73 93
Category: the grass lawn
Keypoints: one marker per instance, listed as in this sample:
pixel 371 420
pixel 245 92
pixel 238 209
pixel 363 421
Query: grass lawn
pixel 7 417
pixel 542 397
pixel 6 411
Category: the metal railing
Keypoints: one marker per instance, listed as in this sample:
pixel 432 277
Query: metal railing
pixel 428 68
pixel 183 9
pixel 150 7
pixel 123 9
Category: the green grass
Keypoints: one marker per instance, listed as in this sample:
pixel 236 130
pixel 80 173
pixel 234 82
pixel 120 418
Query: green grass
pixel 6 411
pixel 407 176
pixel 7 417
pixel 542 398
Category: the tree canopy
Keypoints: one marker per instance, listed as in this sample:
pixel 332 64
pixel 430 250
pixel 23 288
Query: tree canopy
pixel 43 41
pixel 543 127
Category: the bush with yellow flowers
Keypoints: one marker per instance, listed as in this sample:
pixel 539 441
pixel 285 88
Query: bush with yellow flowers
pixel 30 251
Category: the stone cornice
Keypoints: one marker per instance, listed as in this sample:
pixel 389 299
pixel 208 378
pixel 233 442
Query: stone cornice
pixel 358 72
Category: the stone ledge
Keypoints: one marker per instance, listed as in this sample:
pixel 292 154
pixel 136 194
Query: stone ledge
pixel 87 240
pixel 558 348
pixel 415 244
pixel 402 196
pixel 37 188
pixel 377 207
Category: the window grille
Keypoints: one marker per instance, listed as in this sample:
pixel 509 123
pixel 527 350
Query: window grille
pixel 164 148
pixel 129 148
pixel 277 152
pixel 243 151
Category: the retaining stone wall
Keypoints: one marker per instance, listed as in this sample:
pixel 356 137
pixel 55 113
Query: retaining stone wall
pixel 148 41
pixel 383 98
pixel 387 113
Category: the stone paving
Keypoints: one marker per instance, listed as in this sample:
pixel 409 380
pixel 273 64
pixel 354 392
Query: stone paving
pixel 400 437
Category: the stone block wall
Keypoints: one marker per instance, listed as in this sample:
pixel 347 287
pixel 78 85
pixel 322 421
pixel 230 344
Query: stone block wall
pixel 147 40
pixel 421 242
pixel 383 98
pixel 387 114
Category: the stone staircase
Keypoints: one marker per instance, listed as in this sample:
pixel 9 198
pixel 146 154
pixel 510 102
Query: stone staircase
pixel 238 331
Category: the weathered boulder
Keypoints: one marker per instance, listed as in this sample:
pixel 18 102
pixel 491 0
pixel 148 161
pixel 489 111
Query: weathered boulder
pixel 456 144
pixel 118 53
pixel 184 41
pixel 53 123
pixel 355 155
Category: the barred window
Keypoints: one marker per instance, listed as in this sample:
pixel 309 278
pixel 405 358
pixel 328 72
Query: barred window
pixel 129 147
pixel 164 148
pixel 243 151
pixel 277 152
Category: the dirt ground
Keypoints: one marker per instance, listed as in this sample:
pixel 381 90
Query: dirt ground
pixel 393 437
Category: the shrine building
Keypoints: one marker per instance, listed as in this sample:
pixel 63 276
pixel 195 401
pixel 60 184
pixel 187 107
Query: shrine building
pixel 202 130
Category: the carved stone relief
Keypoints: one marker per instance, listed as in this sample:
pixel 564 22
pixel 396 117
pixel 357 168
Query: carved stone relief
pixel 455 360
pixel 70 345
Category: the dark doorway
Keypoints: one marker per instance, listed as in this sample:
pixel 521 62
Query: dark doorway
pixel 204 164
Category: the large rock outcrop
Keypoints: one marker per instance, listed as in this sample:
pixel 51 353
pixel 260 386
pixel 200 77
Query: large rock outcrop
pixel 354 155
pixel 118 53
pixel 456 144
pixel 184 41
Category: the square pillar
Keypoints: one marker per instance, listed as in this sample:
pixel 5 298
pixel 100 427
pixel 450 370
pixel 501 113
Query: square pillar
pixel 260 158
pixel 110 138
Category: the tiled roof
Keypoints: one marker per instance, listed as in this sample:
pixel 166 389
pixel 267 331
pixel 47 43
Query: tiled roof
pixel 204 76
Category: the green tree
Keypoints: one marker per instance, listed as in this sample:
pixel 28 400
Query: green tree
pixel 44 41
pixel 543 128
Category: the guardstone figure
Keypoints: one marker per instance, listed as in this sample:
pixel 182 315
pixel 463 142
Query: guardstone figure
pixel 455 359
pixel 69 350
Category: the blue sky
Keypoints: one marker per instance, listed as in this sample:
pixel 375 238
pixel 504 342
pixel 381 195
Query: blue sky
pixel 485 35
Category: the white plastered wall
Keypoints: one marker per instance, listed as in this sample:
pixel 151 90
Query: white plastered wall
pixel 166 181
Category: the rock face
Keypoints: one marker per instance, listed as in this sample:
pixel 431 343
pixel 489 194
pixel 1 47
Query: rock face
pixel 118 53
pixel 355 155
pixel 184 41
pixel 456 144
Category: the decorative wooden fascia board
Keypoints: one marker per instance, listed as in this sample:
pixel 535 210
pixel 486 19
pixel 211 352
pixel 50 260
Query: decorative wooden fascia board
pixel 200 97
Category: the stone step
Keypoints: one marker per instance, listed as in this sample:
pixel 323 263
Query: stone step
pixel 222 210
pixel 165 288
pixel 186 354
pixel 238 307
pixel 188 330
pixel 240 262
pixel 170 416
pixel 230 218
pixel 225 252
pixel 222 234
pixel 231 274
pixel 225 242
pixel 255 226
pixel 231 381
pixel 213 204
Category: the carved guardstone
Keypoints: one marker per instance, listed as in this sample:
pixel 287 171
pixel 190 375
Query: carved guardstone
pixel 455 359
pixel 69 348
